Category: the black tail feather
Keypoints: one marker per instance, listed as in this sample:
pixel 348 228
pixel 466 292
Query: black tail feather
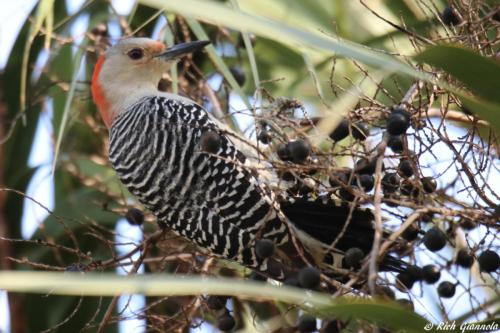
pixel 325 221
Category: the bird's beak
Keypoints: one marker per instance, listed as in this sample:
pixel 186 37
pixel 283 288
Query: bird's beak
pixel 179 50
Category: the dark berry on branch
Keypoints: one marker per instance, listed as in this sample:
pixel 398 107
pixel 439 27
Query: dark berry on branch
pixel 226 322
pixel 257 277
pixel 395 142
pixel 134 216
pixel 449 16
pixel 431 273
pixel 446 289
pixel 341 131
pixel 216 302
pixel 416 273
pixel 309 277
pixel 264 248
pixel 338 179
pixel 405 168
pixel 398 122
pixel 489 261
pixel 353 258
pixel 210 142
pixel 434 239
pixel 264 136
pixel 365 166
pixel 306 324
pixel 360 131
pixel 429 184
pixel 283 152
pixel 390 183
pixel 410 233
pixel 464 258
pixel 299 150
pixel 366 181
pixel 345 195
pixel 404 281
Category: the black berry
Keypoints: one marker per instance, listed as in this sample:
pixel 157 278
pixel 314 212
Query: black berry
pixel 283 152
pixel 309 277
pixel 431 274
pixel 264 248
pixel 299 150
pixel 292 282
pixel 416 273
pixel 338 179
pixel 216 302
pixel 395 142
pixel 264 136
pixel 409 188
pixel 411 233
pixel 360 131
pixel 306 324
pixel 429 184
pixel 467 224
pixel 257 277
pixel 210 142
pixel 353 258
pixel 341 132
pixel 449 17
pixel 134 216
pixel 405 168
pixel 446 289
pixel 398 122
pixel 345 195
pixel 390 183
pixel 286 176
pixel 366 181
pixel 489 261
pixel 226 322
pixel 239 75
pixel 365 166
pixel 434 239
pixel 464 258
pixel 404 281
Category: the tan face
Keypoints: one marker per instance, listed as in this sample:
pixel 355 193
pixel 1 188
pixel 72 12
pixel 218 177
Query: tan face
pixel 135 59
pixel 128 69
pixel 131 69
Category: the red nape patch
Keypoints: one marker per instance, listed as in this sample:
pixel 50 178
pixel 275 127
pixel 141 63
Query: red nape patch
pixel 98 93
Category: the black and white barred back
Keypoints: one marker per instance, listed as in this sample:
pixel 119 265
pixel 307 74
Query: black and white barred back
pixel 209 199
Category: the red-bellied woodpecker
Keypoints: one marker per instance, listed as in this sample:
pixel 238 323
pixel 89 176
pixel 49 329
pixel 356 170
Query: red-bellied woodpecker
pixel 187 169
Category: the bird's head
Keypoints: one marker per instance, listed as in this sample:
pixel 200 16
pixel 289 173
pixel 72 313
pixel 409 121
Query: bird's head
pixel 130 69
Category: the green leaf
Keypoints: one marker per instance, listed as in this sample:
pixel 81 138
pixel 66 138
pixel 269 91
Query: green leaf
pixel 69 99
pixel 218 14
pixel 44 10
pixel 480 74
pixel 485 109
pixel 385 314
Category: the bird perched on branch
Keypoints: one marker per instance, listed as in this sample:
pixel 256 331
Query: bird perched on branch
pixel 189 170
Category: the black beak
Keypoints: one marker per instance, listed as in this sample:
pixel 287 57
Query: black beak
pixel 179 50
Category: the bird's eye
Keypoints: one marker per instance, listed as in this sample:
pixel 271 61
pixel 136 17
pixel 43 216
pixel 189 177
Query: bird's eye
pixel 135 54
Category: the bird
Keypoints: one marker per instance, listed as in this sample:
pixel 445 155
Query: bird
pixel 190 171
